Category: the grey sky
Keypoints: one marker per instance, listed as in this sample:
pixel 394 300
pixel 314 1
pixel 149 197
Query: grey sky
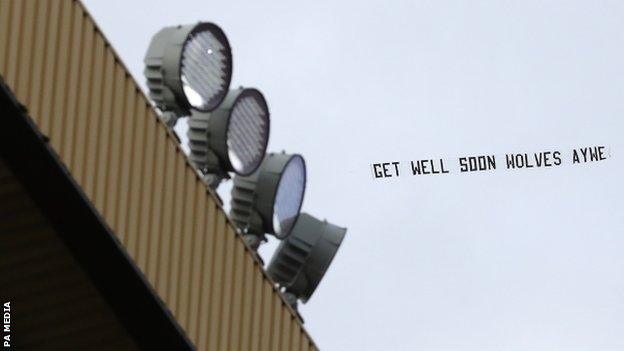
pixel 527 260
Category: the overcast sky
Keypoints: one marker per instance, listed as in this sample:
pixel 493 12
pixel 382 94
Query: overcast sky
pixel 505 260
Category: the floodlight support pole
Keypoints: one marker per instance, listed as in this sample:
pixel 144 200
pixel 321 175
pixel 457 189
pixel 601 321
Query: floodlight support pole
pixel 169 118
pixel 213 180
pixel 254 240
pixel 291 299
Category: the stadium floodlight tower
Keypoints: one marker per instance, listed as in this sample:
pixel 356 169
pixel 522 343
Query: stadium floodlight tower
pixel 302 259
pixel 269 200
pixel 232 138
pixel 188 67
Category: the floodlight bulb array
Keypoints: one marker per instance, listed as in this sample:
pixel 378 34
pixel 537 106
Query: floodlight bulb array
pixel 248 133
pixel 289 196
pixel 188 68
pixel 269 200
pixel 234 137
pixel 204 70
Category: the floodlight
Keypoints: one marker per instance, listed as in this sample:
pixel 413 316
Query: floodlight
pixel 301 260
pixel 234 137
pixel 269 200
pixel 188 67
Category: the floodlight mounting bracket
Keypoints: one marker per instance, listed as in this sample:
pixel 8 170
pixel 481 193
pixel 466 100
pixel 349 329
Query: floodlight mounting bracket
pixel 162 69
pixel 293 302
pixel 254 240
pixel 213 180
pixel 169 118
pixel 201 130
pixel 291 299
pixel 242 212
pixel 253 196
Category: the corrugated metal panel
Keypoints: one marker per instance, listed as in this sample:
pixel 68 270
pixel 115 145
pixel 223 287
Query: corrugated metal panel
pixel 104 129
pixel 54 304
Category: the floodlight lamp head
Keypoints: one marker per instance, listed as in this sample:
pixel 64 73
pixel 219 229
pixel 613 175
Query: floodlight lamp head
pixel 188 68
pixel 234 137
pixel 269 200
pixel 302 259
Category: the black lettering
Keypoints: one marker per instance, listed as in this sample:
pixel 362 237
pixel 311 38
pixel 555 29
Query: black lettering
pixel 424 168
pixel 472 162
pixel 601 154
pixel 433 170
pixel 557 157
pixel 491 162
pixel 377 170
pixel 538 159
pixel 510 161
pixel 385 170
pixel 481 163
pixel 584 152
pixel 442 165
pixel 396 167
pixel 519 161
pixel 575 156
pixel 526 160
pixel 547 162
pixel 415 168
pixel 593 154
pixel 463 167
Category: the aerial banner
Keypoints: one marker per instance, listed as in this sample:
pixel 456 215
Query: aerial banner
pixel 514 161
